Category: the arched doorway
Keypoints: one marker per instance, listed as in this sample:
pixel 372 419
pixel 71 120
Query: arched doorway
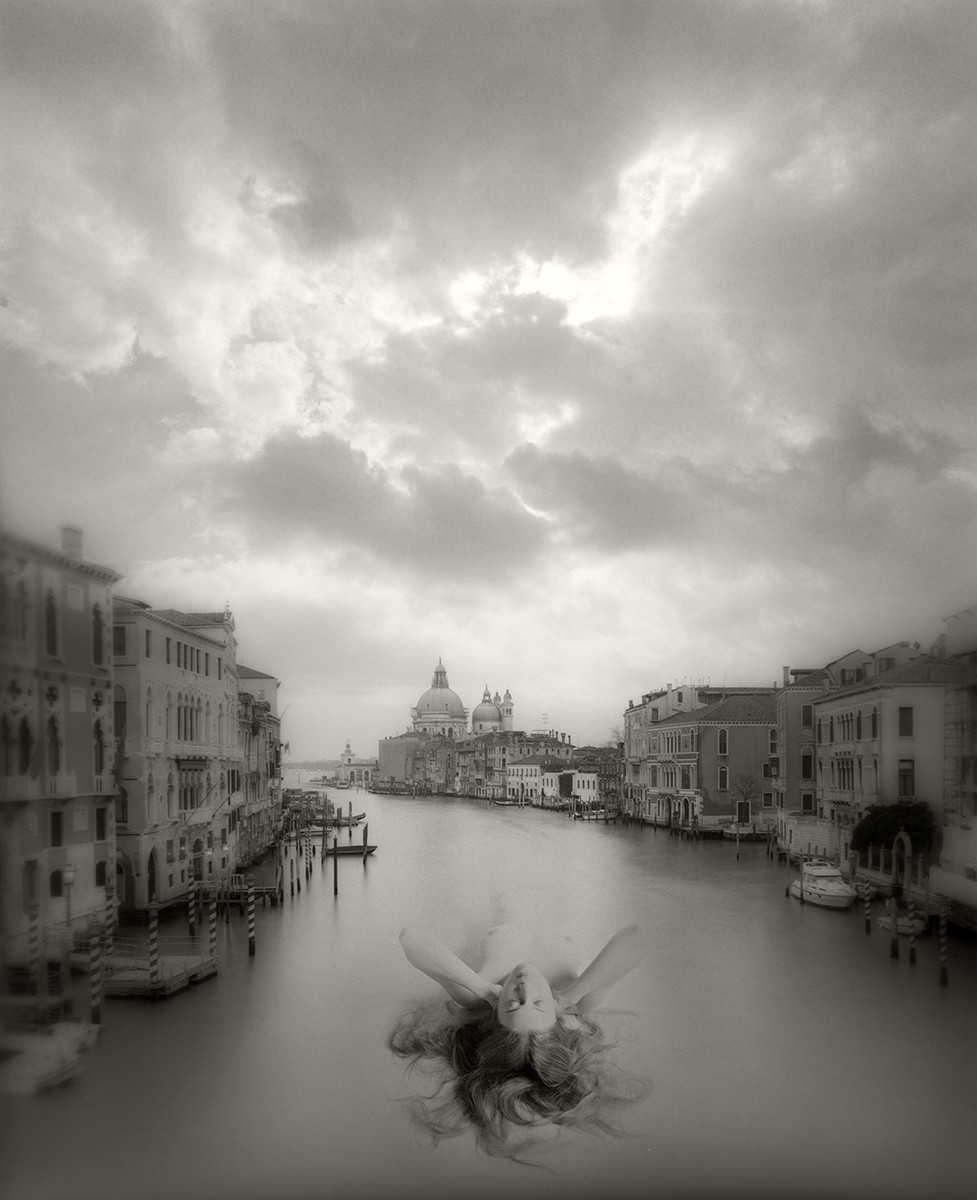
pixel 151 877
pixel 125 883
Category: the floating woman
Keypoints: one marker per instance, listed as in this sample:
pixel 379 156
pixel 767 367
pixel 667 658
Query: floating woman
pixel 516 1048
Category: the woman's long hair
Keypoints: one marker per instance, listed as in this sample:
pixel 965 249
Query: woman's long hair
pixel 501 1083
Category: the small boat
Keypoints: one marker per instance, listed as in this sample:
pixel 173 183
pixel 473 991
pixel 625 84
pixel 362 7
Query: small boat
pixel 349 848
pixel 822 883
pixel 904 926
pixel 30 1062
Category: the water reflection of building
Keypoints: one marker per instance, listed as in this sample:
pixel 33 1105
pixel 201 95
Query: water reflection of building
pixel 57 737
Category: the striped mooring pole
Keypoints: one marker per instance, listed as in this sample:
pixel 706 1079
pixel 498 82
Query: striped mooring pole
pixel 95 976
pixel 251 914
pixel 944 977
pixel 894 928
pixel 291 876
pixel 212 927
pixel 154 943
pixel 192 904
pixel 867 902
pixel 911 916
pixel 34 948
pixel 109 917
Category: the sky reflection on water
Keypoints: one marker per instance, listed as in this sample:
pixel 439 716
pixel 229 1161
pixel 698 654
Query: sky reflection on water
pixel 788 1054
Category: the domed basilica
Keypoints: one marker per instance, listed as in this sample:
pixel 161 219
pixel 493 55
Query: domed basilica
pixel 440 710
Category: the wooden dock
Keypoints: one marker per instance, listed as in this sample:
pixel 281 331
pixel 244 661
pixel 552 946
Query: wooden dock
pixel 128 970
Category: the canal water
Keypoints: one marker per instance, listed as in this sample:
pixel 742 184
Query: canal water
pixel 788 1054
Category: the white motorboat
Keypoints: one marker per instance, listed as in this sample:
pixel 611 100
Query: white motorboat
pixel 822 883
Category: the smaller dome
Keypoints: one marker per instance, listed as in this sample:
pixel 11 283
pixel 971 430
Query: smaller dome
pixel 486 711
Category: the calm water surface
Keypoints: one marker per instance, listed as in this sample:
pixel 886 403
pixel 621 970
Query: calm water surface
pixel 789 1055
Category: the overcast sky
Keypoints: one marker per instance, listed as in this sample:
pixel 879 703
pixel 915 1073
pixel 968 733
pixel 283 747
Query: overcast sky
pixel 586 346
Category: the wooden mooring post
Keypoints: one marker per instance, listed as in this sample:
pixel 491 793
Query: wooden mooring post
pixel 251 917
pixel 95 976
pixel 335 864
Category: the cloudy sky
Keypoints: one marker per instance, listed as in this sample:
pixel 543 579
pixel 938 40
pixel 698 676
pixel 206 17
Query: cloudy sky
pixel 586 346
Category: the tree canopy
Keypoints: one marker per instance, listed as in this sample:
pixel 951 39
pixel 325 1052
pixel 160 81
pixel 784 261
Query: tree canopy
pixel 882 822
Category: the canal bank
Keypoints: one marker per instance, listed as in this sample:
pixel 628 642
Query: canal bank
pixel 787 1053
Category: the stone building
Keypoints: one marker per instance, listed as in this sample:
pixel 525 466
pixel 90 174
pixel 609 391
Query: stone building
pixel 57 739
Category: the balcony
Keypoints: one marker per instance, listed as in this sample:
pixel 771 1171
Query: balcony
pixel 62 785
pixel 20 787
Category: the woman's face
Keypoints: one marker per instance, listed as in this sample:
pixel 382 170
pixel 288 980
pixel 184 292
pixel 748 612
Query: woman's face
pixel 526 1003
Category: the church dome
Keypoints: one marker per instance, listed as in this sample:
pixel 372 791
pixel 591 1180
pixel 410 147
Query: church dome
pixel 439 699
pixel 486 711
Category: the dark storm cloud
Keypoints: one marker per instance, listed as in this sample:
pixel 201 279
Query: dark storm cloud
pixel 858 489
pixel 440 524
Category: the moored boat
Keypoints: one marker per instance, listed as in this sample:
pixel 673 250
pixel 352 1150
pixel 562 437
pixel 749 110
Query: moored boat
pixel 903 925
pixel 822 883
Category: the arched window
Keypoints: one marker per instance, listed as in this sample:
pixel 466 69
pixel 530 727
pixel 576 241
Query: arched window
pixel 169 715
pixel 723 741
pixel 24 744
pixel 20 613
pixel 723 777
pixel 858 725
pixel 53 743
pixel 98 748
pixel 98 636
pixel 875 722
pixel 7 755
pixel 56 884
pixel 100 871
pixel 150 714
pixel 51 623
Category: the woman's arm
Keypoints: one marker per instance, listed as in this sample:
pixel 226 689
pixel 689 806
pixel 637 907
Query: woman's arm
pixel 430 955
pixel 621 954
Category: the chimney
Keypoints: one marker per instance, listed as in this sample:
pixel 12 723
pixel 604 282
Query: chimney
pixel 71 540
pixel 786 676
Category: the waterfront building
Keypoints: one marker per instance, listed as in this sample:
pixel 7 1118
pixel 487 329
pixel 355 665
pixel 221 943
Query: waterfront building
pixel 641 720
pixel 793 771
pixel 608 763
pixel 182 753
pixel 353 770
pixel 57 738
pixel 879 741
pixel 259 818
pixel 710 767
pixel 200 761
pixel 955 875
pixel 484 759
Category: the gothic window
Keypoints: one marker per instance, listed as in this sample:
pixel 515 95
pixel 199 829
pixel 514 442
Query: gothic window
pixel 7 755
pixel 51 623
pixel 723 775
pixel 53 742
pixel 723 741
pixel 98 648
pixel 98 748
pixel 24 744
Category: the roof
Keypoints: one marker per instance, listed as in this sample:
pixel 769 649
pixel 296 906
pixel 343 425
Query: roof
pixel 927 670
pixel 250 673
pixel 195 619
pixel 735 710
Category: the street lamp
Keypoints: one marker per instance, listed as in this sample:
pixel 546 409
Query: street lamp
pixel 68 878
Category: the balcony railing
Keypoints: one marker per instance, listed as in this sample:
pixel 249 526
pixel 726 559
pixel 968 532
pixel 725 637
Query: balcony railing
pixel 62 784
pixel 20 787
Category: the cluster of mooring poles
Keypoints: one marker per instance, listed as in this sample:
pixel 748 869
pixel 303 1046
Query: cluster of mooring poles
pixel 901 883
